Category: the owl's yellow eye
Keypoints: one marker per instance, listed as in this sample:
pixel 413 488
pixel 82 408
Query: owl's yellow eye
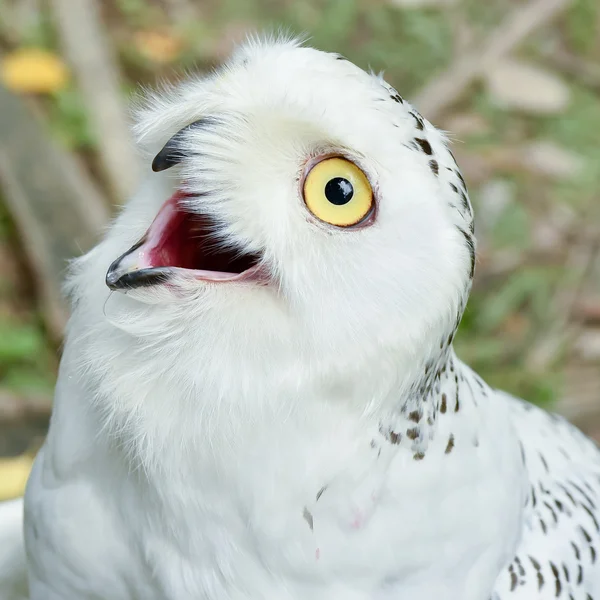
pixel 338 192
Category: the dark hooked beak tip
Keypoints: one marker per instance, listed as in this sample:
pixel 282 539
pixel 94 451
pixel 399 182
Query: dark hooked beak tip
pixel 112 278
pixel 125 274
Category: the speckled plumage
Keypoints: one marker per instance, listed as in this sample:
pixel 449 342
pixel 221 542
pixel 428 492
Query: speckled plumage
pixel 557 553
pixel 315 438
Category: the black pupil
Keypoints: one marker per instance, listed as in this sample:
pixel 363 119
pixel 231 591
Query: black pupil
pixel 339 191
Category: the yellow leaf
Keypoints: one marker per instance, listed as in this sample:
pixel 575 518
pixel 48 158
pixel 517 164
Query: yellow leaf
pixel 14 473
pixel 33 71
pixel 159 47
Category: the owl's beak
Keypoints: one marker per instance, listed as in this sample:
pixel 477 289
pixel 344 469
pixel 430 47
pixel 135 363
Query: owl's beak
pixel 180 243
pixel 126 272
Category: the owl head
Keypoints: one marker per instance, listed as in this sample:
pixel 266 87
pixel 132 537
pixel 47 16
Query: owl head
pixel 297 207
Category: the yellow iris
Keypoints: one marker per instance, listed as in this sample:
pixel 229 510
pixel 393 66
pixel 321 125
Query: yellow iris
pixel 338 192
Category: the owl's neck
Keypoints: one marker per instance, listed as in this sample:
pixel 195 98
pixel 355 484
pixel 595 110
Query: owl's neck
pixel 154 385
pixel 445 392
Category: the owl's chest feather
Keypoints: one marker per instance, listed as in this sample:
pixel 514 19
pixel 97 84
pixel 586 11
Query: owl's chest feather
pixel 305 505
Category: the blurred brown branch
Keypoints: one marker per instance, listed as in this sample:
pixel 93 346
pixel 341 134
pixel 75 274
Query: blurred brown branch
pixel 56 207
pixel 447 88
pixel 91 55
pixel 583 71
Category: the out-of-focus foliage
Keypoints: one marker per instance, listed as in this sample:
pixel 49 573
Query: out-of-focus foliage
pixel 27 363
pixel 32 70
pixel 14 473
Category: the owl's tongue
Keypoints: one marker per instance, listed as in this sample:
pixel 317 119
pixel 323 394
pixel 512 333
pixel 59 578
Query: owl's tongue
pixel 184 243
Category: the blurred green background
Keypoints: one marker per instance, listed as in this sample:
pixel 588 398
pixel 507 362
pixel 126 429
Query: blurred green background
pixel 525 129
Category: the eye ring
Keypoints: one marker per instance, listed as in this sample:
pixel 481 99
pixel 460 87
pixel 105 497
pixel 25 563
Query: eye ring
pixel 337 192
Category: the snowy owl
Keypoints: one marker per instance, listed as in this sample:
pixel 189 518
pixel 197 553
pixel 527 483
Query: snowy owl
pixel 259 398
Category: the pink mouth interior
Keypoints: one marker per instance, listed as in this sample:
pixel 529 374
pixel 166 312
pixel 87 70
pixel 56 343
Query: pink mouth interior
pixel 183 240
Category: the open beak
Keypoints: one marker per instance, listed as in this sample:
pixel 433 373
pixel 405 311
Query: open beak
pixel 182 243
